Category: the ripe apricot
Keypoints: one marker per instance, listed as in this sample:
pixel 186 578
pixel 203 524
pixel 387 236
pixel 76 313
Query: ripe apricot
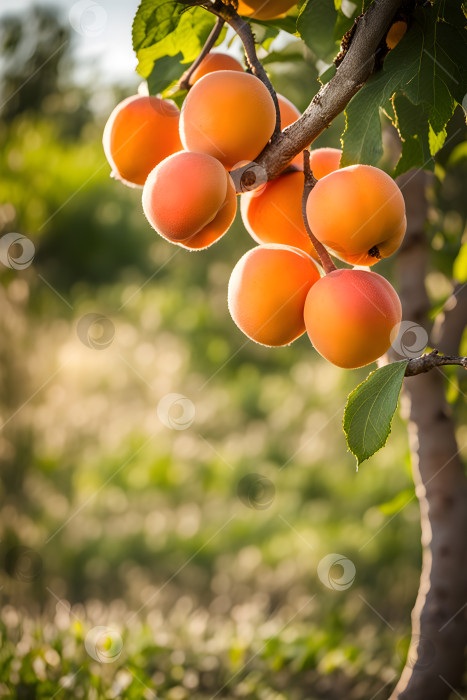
pixel 274 213
pixel 190 199
pixel 358 212
pixel 289 115
pixel 213 62
pixel 140 132
pixel 264 9
pixel 395 34
pixel 324 161
pixel 267 292
pixel 350 317
pixel 228 115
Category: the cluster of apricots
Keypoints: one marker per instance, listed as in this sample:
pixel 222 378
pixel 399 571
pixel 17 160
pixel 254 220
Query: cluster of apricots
pixel 278 290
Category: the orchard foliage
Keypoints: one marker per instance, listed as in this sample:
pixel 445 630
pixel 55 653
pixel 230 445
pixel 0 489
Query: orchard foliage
pixel 418 85
pixel 332 202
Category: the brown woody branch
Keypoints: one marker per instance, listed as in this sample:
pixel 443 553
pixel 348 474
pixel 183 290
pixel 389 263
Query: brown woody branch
pixel 331 100
pixel 184 83
pixel 419 365
pixel 310 182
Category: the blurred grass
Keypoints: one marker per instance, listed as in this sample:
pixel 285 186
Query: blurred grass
pixel 140 528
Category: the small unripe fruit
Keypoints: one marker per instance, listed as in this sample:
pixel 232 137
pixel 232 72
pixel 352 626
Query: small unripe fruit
pixel 324 161
pixel 267 292
pixel 352 316
pixel 273 214
pixel 213 62
pixel 228 115
pixel 395 34
pixel 140 132
pixel 190 199
pixel 358 213
pixel 264 9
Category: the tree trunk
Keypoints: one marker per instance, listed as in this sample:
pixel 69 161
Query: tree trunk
pixel 435 662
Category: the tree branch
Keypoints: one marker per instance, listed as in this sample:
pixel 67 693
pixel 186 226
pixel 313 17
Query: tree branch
pixel 310 182
pixel 331 100
pixel 450 325
pixel 184 83
pixel 419 365
pixel 228 14
pixel 435 663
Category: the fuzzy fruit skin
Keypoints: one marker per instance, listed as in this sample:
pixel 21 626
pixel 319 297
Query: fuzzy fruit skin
pixel 355 210
pixel 352 316
pixel 228 115
pixel 267 292
pixel 190 199
pixel 140 132
pixel 273 214
pixel 264 9
pixel 289 115
pixel 213 62
pixel 324 161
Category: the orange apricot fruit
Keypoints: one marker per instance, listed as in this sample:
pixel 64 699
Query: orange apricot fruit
pixel 264 9
pixel 267 292
pixel 140 132
pixel 190 199
pixel 273 214
pixel 228 115
pixel 352 316
pixel 395 34
pixel 213 62
pixel 358 213
pixel 324 161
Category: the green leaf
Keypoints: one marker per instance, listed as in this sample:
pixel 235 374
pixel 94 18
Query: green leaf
pixel 370 408
pixel 164 28
pixel 428 67
pixel 315 24
pixel 460 265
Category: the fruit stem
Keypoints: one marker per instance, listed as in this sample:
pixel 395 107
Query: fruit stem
pixel 184 83
pixel 310 182
pixel 243 29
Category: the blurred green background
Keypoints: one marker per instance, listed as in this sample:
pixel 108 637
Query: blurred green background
pixel 196 549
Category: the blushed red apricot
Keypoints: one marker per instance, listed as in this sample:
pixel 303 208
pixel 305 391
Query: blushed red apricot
pixel 213 62
pixel 228 115
pixel 140 132
pixel 324 161
pixel 264 9
pixel 190 199
pixel 358 212
pixel 273 214
pixel 352 316
pixel 267 292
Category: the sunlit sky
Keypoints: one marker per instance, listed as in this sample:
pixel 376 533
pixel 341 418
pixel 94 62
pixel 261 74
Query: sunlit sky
pixel 102 33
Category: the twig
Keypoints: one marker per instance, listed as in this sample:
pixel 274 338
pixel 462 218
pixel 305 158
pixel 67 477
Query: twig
pixel 310 182
pixel 243 29
pixel 184 83
pixel 430 360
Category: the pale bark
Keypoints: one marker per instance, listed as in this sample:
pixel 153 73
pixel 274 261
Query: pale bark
pixel 435 662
